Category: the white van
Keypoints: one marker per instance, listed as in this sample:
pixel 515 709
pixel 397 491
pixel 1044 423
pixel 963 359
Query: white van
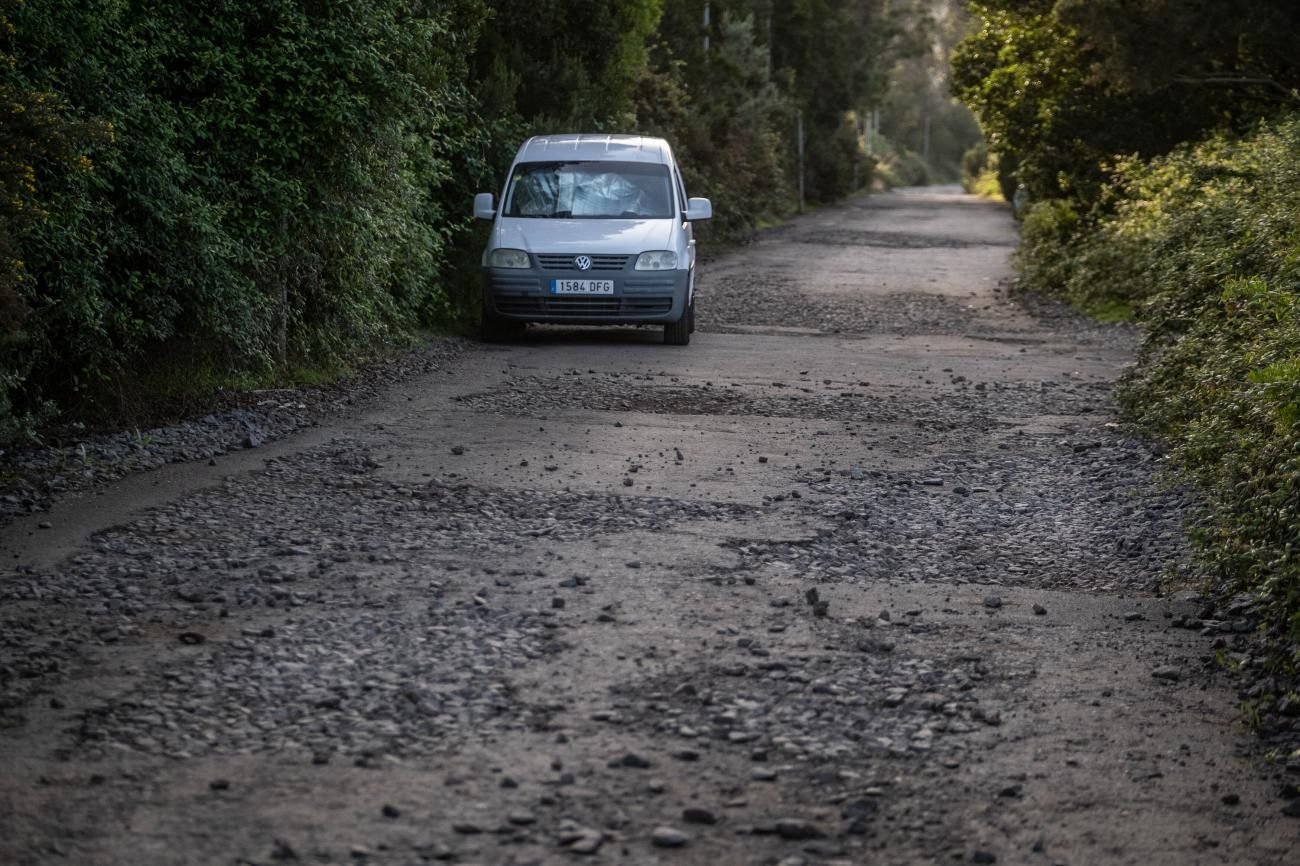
pixel 592 230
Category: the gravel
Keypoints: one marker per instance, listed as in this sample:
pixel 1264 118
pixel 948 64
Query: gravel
pixel 501 674
pixel 76 459
pixel 392 652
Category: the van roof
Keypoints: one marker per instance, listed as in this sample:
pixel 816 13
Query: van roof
pixel 627 148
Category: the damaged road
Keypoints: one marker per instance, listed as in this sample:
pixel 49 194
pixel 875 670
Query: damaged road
pixel 866 574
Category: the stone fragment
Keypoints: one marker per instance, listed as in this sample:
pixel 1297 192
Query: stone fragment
pixel 796 829
pixel 282 850
pixel 587 843
pixel 669 837
pixel 698 815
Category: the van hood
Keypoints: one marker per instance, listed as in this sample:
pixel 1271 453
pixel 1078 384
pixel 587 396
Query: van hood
pixel 590 236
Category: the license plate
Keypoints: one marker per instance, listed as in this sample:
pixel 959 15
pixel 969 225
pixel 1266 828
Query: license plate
pixel 582 287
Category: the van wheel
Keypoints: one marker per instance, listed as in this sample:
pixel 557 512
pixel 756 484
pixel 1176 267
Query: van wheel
pixel 678 333
pixel 690 317
pixel 494 329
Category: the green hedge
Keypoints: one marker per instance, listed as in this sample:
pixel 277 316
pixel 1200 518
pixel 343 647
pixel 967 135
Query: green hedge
pixel 1205 245
pixel 201 195
pixel 275 185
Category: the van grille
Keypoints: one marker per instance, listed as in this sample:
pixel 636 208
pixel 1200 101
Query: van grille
pixel 585 306
pixel 557 262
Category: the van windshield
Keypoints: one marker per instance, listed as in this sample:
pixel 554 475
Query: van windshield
pixel 590 190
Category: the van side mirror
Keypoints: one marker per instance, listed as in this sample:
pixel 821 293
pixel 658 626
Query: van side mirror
pixel 484 209
pixel 698 209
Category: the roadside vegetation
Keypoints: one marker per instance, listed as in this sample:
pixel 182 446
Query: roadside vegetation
pixel 1158 150
pixel 206 196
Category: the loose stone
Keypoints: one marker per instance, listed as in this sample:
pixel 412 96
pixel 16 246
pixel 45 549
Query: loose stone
pixel 669 837
pixel 697 815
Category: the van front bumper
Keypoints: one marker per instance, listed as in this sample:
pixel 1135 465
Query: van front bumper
pixel 640 297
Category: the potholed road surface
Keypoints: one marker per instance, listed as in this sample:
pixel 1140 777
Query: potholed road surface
pixel 866 574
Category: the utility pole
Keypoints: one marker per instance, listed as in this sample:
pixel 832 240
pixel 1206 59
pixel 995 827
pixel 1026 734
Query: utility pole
pixel 925 139
pixel 859 127
pixel 800 139
pixel 706 26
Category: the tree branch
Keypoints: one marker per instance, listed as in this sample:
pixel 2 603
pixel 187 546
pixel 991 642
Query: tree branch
pixel 1230 81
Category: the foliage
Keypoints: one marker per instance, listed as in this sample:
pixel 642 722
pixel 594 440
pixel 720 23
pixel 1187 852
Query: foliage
pixel 1062 87
pixel 1160 148
pixel 274 190
pixel 836 56
pixel 919 115
pixel 1048 246
pixel 235 190
pixel 1205 243
pixel 729 122
pixel 37 136
pixel 900 166
pixel 979 171
pixel 565 66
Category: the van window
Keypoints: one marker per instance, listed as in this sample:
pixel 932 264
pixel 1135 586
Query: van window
pixel 590 190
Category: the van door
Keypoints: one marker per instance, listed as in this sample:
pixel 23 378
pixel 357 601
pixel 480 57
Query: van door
pixel 686 228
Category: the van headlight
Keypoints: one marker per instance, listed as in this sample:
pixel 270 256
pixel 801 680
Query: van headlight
pixel 657 260
pixel 508 258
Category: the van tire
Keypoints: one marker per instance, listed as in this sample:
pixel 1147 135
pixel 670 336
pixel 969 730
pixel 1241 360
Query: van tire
pixel 678 333
pixel 690 317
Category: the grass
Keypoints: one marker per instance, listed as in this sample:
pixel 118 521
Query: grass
pixel 1110 310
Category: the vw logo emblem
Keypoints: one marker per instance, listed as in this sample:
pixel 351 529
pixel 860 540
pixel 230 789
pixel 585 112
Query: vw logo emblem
pixel 582 263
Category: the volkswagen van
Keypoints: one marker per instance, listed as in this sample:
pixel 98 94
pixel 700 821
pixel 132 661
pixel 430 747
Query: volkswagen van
pixel 591 230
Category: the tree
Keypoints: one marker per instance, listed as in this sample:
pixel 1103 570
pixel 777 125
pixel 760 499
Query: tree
pixel 1064 88
pixel 565 66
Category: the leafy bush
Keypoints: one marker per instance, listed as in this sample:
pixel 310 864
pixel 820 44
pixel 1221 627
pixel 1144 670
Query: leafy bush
pixel 237 190
pixel 1206 243
pixel 727 122
pixel 900 167
pixel 1062 86
pixel 1048 245
pixel 274 192
pixel 979 172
